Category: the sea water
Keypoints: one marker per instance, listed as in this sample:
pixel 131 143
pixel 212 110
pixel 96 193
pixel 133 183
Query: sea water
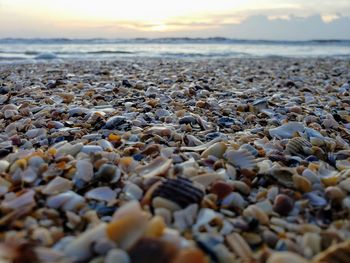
pixel 32 50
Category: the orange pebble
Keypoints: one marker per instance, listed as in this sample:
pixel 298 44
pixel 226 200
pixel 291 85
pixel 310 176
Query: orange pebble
pixel 191 255
pixel 114 137
pixel 155 227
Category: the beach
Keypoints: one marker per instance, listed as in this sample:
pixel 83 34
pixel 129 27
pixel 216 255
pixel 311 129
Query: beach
pixel 175 160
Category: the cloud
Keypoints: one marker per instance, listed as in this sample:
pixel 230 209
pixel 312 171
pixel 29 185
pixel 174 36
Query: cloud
pixel 294 28
pixel 261 27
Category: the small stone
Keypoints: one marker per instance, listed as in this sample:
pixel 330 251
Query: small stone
pixel 283 204
pixel 221 189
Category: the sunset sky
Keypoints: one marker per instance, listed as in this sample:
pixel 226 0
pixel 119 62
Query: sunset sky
pixel 159 18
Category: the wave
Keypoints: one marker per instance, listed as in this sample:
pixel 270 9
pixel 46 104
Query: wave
pixel 171 40
pixel 110 52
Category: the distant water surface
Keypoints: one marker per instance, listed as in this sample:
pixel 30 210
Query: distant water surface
pixel 31 50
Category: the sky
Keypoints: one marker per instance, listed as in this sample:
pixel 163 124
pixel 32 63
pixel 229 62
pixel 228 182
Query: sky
pixel 250 19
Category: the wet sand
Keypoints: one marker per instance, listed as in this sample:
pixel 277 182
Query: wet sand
pixel 234 160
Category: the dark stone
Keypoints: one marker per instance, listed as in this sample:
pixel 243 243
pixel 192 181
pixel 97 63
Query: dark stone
pixel 126 83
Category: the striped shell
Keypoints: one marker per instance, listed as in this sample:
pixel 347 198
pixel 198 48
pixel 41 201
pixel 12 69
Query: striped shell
pixel 180 191
pixel 298 146
pixel 242 159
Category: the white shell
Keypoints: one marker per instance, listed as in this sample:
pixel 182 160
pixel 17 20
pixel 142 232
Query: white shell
pixel 103 193
pixel 26 199
pixel 80 248
pixel 287 130
pixel 57 185
pixel 157 167
pixel 242 159
pixel 67 201
pixel 85 170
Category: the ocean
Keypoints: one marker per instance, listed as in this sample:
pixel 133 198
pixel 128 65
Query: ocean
pixel 13 50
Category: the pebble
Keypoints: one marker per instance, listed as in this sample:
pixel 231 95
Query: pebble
pixel 283 204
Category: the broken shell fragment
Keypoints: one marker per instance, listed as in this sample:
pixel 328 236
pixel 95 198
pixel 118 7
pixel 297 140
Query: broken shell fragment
pixel 157 167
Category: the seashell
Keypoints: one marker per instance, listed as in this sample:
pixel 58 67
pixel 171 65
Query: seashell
pixel 206 179
pixel 216 149
pixel 70 149
pixel 4 165
pixel 79 249
pixel 188 120
pixel 342 164
pixel 34 133
pixel 180 191
pixel 77 111
pixel 26 199
pixel 206 221
pixel 10 113
pixel 155 227
pixel 284 176
pixel 127 227
pixel 256 212
pixel 240 247
pixel 301 183
pixel 311 243
pixel 226 121
pixel 315 199
pixel 91 149
pixel 84 171
pixel 162 113
pixel 250 148
pixel 159 130
pixel 107 172
pixel 345 185
pixel 202 147
pixel 209 243
pixel 115 122
pixel 298 146
pixel 45 254
pixel 67 97
pixel 132 191
pixel 57 185
pixel 106 145
pixel 103 193
pixel 157 167
pixel 185 218
pixel 191 140
pixel 4 186
pixel 287 130
pixel 67 201
pixel 339 253
pixel 330 123
pixel 260 104
pixel 117 255
pixel 283 204
pixel 234 200
pixel 334 194
pixel 270 238
pixel 153 249
pixel 29 175
pixel 242 159
pixel 286 257
pixel 160 202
